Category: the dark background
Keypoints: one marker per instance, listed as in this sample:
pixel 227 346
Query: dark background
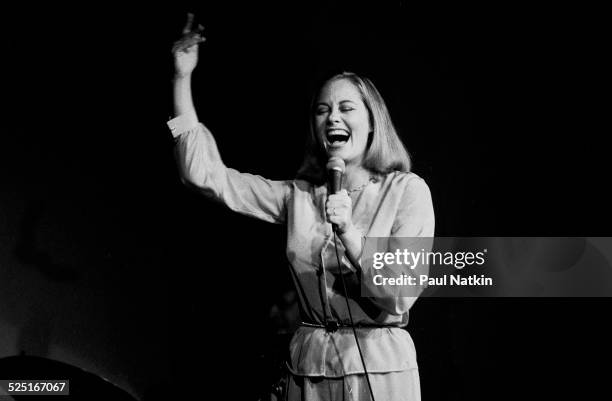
pixel 107 262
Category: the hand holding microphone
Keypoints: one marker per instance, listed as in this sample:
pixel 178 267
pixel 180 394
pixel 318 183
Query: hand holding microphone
pixel 338 207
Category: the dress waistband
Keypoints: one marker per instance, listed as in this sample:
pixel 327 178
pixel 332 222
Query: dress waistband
pixel 333 325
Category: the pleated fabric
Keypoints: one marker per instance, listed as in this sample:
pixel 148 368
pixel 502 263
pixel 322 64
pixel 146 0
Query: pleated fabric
pixel 392 386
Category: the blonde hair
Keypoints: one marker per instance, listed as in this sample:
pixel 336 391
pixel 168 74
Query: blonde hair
pixel 385 151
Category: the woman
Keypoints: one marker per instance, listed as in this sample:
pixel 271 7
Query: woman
pixel 379 198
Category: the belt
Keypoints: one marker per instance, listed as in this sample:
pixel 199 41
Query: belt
pixel 332 325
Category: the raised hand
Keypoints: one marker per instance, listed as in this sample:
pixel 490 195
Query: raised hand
pixel 185 49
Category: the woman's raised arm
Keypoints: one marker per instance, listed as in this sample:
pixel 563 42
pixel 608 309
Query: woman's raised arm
pixel 198 157
pixel 185 51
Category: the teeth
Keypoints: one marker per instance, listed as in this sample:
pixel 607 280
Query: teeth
pixel 337 136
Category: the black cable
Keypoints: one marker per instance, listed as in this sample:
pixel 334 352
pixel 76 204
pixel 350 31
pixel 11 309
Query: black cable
pixel 348 307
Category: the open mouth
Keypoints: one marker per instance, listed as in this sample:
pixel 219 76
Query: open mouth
pixel 337 137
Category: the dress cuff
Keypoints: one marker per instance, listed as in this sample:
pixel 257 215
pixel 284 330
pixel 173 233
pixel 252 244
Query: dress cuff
pixel 182 124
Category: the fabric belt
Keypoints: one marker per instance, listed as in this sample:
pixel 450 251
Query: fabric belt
pixel 333 325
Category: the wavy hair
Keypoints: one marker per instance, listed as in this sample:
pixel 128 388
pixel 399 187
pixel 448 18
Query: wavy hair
pixel 385 151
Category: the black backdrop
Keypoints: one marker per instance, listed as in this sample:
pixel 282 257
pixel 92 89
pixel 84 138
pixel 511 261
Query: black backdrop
pixel 106 255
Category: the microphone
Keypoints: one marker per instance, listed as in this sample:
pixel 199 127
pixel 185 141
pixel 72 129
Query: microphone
pixel 335 170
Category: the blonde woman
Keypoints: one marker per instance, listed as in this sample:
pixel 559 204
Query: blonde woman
pixel 380 197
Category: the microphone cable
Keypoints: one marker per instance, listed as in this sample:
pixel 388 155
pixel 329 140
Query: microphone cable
pixel 348 307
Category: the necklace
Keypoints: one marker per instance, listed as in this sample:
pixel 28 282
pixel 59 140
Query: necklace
pixel 362 186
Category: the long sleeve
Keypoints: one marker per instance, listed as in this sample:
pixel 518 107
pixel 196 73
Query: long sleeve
pixel 201 166
pixel 415 215
pixel 414 218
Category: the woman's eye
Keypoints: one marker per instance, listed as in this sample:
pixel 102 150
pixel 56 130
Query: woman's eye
pixel 321 111
pixel 346 109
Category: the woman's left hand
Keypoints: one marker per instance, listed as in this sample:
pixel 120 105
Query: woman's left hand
pixel 339 210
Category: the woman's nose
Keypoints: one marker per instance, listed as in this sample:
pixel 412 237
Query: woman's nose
pixel 333 117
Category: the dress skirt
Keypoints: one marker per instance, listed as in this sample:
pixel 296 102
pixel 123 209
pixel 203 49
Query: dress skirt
pixel 392 386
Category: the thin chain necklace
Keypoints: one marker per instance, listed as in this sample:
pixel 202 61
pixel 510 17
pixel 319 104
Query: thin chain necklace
pixel 362 186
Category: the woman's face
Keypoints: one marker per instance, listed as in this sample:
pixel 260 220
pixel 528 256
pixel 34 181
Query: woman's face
pixel 342 121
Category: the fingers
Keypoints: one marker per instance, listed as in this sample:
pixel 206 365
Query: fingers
pixel 189 23
pixel 341 214
pixel 341 198
pixel 182 46
pixel 341 218
pixel 335 209
pixel 188 29
pixel 342 194
pixel 187 42
pixel 339 205
pixel 191 37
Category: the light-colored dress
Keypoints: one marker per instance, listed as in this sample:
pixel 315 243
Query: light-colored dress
pixel 326 365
